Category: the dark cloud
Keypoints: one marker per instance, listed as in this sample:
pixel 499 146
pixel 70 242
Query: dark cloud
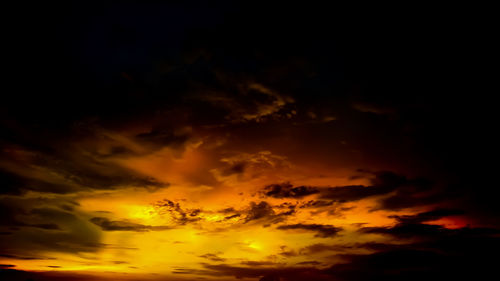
pixel 287 252
pixel 428 216
pixel 331 207
pixel 232 216
pixel 11 184
pixel 287 190
pixel 382 183
pixel 17 214
pixel 158 138
pixel 17 185
pixel 408 198
pixel 408 230
pixel 309 263
pixel 253 101
pixel 259 211
pixel 460 256
pixel 180 215
pixel 52 275
pixel 320 248
pixel 323 231
pixel 227 210
pixel 264 272
pixel 236 168
pixel 264 213
pixel 317 203
pixel 259 263
pixel 57 230
pixel 393 265
pixel 213 257
pixel 395 191
pixel 109 225
pixel 23 257
pixel 374 108
pixel 414 226
pixel 66 172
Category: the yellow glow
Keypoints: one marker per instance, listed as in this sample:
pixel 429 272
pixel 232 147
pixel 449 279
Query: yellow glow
pixel 195 225
pixel 142 212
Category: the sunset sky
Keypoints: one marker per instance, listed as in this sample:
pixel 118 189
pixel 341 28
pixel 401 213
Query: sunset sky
pixel 241 141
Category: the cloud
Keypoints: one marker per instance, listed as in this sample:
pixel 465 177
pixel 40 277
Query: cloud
pixel 263 212
pixel 255 213
pixel 253 102
pixel 463 255
pixel 51 275
pixel 286 190
pixel 236 168
pixel 320 248
pixel 323 231
pixel 213 257
pixel 411 197
pixel 264 272
pixel 17 213
pixel 159 138
pixel 259 263
pixel 11 184
pixel 428 216
pixel 9 256
pixel 180 215
pixel 383 183
pixel 67 171
pixel 57 230
pixel 18 217
pixel 406 264
pixel 259 211
pixel 414 226
pixel 287 252
pixel 317 204
pixel 248 166
pixel 374 108
pixel 309 263
pixel 109 225
pixel 232 216
pixel 408 230
pixel 393 192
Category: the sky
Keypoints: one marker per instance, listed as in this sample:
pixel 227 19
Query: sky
pixel 150 140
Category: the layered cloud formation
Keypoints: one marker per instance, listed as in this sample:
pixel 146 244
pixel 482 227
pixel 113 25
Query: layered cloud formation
pixel 171 142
